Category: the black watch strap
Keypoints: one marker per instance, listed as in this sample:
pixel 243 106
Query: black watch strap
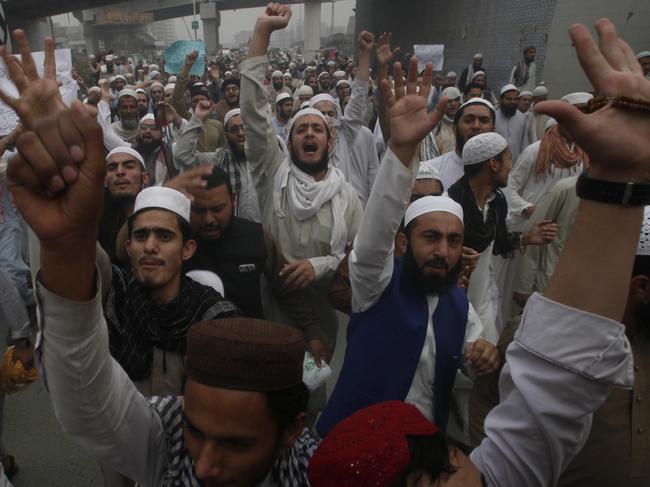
pixel 627 194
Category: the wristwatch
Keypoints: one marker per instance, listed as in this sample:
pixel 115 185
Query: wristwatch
pixel 613 193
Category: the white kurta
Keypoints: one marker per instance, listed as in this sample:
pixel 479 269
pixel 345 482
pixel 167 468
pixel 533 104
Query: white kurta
pixel 514 129
pixel 450 166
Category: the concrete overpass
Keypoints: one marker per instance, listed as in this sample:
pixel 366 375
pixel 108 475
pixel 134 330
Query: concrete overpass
pixel 30 15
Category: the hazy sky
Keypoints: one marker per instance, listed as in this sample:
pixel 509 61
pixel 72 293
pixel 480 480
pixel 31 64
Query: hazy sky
pixel 233 21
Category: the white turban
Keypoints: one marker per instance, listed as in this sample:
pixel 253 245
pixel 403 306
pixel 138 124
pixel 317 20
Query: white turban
pixel 126 150
pixel 431 204
pixel 164 198
pixel 483 147
pixel 232 113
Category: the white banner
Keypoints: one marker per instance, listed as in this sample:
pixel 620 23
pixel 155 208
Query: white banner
pixel 68 88
pixel 430 52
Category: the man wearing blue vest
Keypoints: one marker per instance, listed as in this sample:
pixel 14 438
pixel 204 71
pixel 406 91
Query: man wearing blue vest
pixel 411 324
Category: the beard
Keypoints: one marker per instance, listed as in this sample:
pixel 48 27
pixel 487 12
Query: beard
pixel 277 86
pixel 147 145
pixel 508 111
pixel 414 276
pixel 310 169
pixel 129 123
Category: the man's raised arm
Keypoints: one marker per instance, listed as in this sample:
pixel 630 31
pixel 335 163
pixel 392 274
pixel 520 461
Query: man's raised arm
pixel 262 149
pixel 371 263
pixel 57 181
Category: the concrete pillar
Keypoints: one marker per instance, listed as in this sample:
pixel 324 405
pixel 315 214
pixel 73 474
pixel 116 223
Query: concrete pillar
pixel 211 21
pixel 311 47
pixel 36 29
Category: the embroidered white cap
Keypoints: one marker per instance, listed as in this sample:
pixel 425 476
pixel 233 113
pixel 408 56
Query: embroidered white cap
pixel 540 91
pixel 165 199
pixel 282 97
pixel 427 171
pixel 303 113
pixel 507 88
pixel 231 113
pixel 305 90
pixel 451 93
pixel 483 147
pixel 578 98
pixel 431 204
pixel 126 150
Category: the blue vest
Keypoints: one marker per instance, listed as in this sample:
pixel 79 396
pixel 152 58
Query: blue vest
pixel 384 347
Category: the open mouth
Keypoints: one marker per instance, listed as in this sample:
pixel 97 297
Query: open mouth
pixel 310 147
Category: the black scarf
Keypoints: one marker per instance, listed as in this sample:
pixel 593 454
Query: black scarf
pixel 137 324
pixel 479 233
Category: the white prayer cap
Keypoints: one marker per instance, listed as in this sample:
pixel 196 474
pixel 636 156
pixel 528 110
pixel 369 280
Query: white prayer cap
pixel 119 76
pixel 427 171
pixel 276 74
pixel 163 198
pixel 231 113
pixel 549 123
pixel 169 87
pixel 339 74
pixel 526 93
pixel 140 90
pixel 478 55
pixel 126 150
pixel 92 56
pixel 305 90
pixel 342 82
pixel 324 73
pixel 476 101
pixel 322 97
pixel 153 73
pixel 127 92
pixel 282 97
pixel 94 88
pixel 156 83
pixel 431 204
pixel 331 63
pixel 303 113
pixel 207 278
pixel 483 147
pixel 452 74
pixel 643 54
pixel 507 88
pixel 130 60
pixel 578 98
pixel 451 93
pixel 171 79
pixel 287 73
pixel 155 67
pixel 304 104
pixel 109 58
pixel 148 116
pixel 477 73
pixel 540 91
pixel 643 248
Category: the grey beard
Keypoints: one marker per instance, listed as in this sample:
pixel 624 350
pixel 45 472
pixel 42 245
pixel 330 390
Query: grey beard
pixel 129 124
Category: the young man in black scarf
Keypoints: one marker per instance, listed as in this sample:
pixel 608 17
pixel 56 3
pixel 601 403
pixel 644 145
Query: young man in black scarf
pixel 487 165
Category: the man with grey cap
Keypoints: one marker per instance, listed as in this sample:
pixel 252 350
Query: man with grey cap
pixel 510 122
pixel 488 162
pixel 307 205
pixel 409 315
pixel 231 158
pixel 442 138
pixel 127 111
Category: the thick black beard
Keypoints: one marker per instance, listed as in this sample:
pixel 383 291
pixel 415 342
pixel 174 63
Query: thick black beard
pixel 310 169
pixel 414 277
pixel 237 152
pixel 508 111
pixel 147 147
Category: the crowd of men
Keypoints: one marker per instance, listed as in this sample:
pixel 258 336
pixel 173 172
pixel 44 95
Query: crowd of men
pixel 195 243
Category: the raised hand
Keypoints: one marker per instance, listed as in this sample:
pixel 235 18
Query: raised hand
pixel 410 121
pixel 191 58
pixel 366 41
pixel 275 17
pixel 203 109
pixel 190 182
pixel 384 52
pixel 615 139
